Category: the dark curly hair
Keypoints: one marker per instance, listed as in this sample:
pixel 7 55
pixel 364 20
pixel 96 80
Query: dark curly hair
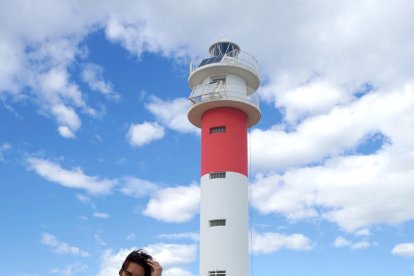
pixel 139 257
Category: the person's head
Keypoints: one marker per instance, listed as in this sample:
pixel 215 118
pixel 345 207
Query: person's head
pixel 136 264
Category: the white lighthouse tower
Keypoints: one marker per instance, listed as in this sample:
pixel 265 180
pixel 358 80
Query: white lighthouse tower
pixel 224 104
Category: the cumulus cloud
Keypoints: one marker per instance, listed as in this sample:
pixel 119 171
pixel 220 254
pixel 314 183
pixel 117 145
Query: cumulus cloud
pixel 69 270
pixel 316 88
pixel 86 200
pixel 3 149
pixel 131 236
pixel 336 132
pixel 355 192
pixel 171 256
pixel 110 262
pixel 314 169
pixel 54 92
pixel 40 56
pixel 176 204
pixel 133 36
pixel 141 134
pixel 264 243
pixel 135 187
pixel 62 247
pixel 178 236
pixel 345 48
pixel 404 250
pixel 172 114
pixel 341 242
pixel 101 215
pixel 176 271
pixel 314 97
pixel 92 74
pixel 74 178
pixel 66 132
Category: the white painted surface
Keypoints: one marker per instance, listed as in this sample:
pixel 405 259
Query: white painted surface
pixel 224 247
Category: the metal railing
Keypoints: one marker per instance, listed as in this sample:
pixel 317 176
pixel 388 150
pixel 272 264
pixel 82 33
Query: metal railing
pixel 223 91
pixel 242 59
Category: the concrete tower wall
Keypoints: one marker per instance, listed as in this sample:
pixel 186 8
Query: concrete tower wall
pixel 224 247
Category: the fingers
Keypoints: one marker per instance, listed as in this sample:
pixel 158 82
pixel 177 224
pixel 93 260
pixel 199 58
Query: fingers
pixel 155 267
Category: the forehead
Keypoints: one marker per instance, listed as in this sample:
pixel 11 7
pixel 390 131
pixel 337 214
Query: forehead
pixel 134 269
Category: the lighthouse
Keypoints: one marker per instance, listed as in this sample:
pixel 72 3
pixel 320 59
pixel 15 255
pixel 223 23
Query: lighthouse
pixel 224 104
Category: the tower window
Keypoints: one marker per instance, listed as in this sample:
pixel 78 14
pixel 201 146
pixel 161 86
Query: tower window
pixel 217 222
pixel 217 175
pixel 218 79
pixel 219 129
pixel 217 273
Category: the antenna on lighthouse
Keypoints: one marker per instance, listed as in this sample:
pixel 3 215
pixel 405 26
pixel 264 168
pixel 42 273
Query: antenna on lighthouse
pixel 224 103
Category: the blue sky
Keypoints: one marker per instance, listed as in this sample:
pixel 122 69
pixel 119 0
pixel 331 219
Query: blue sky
pixel 97 156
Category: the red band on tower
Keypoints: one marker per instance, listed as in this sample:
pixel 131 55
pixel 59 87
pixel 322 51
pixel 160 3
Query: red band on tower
pixel 224 151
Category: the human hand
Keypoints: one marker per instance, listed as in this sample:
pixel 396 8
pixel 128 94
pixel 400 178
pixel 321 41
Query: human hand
pixel 156 268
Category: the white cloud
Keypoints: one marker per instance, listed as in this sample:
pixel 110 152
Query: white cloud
pixel 131 35
pixel 173 254
pixel 132 186
pixel 360 245
pixel 11 53
pixel 268 242
pixel 65 132
pixel 314 97
pixel 131 236
pixel 86 200
pixel 68 119
pixel 50 80
pixel 333 133
pixel 4 148
pixel 112 262
pixel 346 44
pixel 335 41
pixel 74 178
pixel 141 134
pixel 177 204
pixel 178 236
pixel 355 192
pixel 170 256
pixel 342 242
pixel 314 170
pixel 101 215
pixel 62 247
pixel 363 232
pixel 42 77
pixel 92 74
pixel 176 271
pixel 404 250
pixel 99 241
pixel 172 114
pixel 69 270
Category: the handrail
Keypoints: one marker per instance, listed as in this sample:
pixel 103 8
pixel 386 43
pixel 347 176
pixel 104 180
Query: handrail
pixel 242 59
pixel 223 91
